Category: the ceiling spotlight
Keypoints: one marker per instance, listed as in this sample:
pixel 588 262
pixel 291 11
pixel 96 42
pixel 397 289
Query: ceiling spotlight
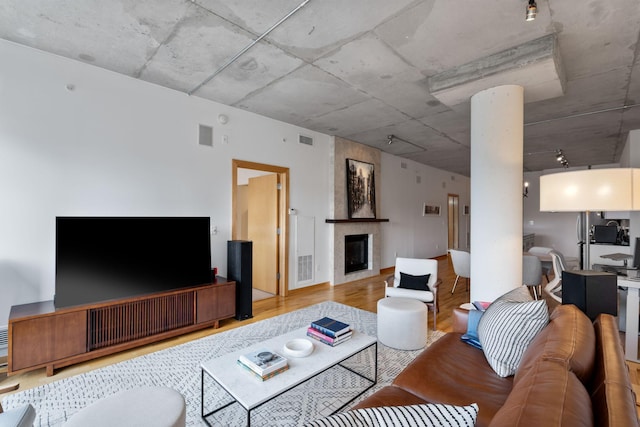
pixel 392 138
pixel 525 191
pixel 532 10
pixel 560 157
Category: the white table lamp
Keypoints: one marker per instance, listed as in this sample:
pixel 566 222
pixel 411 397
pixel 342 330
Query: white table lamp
pixel 590 190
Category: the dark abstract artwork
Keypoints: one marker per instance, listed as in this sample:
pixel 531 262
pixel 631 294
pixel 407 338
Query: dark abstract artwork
pixel 361 189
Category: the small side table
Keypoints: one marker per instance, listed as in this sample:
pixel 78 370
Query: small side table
pixel 402 323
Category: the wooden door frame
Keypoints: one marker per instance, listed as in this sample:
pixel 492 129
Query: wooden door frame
pixel 456 219
pixel 283 215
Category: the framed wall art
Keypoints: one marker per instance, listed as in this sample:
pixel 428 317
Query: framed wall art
pixel 361 189
pixel 430 210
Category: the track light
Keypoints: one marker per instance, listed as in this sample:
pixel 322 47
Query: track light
pixel 532 10
pixel 560 157
pixel 525 192
pixel 391 138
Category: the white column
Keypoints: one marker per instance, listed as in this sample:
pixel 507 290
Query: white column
pixel 497 122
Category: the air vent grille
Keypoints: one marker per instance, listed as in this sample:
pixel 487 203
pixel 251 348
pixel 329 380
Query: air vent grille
pixel 205 135
pixel 4 338
pixel 305 268
pixel 303 139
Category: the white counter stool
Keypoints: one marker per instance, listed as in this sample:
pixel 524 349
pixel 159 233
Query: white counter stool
pixel 402 323
pixel 139 407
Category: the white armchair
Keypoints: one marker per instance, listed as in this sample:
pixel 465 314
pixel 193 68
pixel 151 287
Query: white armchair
pixel 415 267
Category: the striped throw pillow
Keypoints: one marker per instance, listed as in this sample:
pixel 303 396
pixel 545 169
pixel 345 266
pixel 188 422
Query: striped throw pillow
pixel 427 415
pixel 507 328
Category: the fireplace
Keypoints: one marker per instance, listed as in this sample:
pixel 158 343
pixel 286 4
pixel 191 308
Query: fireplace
pixel 356 252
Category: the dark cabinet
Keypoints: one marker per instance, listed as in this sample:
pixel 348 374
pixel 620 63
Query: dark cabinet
pixel 593 292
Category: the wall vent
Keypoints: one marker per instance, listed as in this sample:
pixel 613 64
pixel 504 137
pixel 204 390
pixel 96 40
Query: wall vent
pixel 305 248
pixel 403 165
pixel 4 340
pixel 305 268
pixel 418 179
pixel 303 139
pixel 205 135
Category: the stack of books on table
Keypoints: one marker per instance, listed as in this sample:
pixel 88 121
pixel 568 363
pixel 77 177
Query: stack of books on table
pixel 263 363
pixel 330 331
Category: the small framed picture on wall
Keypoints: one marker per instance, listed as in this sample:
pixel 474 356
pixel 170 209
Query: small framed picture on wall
pixel 430 210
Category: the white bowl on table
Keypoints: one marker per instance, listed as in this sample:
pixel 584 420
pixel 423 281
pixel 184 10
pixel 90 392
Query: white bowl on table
pixel 298 347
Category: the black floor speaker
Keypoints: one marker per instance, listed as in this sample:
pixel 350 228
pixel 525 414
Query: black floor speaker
pixel 239 259
pixel 593 292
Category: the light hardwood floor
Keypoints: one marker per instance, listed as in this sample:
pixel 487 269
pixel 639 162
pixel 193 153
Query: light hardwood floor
pixel 362 294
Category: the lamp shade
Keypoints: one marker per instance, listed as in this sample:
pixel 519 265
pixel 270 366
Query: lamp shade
pixel 591 190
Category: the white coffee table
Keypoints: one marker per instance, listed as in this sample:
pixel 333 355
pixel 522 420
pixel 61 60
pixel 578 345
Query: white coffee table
pixel 250 393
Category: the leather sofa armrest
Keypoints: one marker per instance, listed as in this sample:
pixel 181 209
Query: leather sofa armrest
pixel 460 320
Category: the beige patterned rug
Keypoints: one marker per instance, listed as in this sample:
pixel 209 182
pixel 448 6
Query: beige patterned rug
pixel 179 368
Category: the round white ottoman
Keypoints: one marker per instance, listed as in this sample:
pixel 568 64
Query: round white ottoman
pixel 402 323
pixel 139 407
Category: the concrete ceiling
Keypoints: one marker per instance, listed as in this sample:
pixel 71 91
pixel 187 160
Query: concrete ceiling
pixel 361 69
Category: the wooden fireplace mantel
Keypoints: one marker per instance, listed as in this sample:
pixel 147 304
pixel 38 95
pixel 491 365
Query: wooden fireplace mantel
pixel 354 220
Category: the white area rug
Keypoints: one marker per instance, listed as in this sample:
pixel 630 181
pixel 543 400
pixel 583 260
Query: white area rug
pixel 179 368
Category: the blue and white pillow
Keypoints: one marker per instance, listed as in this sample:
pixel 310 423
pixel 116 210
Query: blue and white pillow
pixel 427 415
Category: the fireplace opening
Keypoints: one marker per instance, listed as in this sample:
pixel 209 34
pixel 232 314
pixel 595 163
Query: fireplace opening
pixel 356 252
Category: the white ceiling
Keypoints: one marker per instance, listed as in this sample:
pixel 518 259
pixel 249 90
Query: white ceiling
pixel 360 69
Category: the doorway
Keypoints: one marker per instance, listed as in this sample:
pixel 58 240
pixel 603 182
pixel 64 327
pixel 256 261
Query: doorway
pixel 453 210
pixel 259 198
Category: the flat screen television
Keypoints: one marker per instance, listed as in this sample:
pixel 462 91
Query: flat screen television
pixel 605 234
pixel 106 258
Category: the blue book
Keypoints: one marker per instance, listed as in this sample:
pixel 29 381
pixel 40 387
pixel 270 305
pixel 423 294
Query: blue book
pixel 330 327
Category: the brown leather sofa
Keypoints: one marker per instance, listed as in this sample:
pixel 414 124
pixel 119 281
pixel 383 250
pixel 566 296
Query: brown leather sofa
pixel 572 374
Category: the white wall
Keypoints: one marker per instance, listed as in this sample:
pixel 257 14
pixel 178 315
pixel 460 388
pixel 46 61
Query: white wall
pixel 119 146
pixel 408 233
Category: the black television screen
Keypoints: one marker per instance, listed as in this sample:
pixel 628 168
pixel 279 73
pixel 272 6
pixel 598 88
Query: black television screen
pixel 104 258
pixel 605 233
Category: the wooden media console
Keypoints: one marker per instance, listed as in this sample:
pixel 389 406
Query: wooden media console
pixel 42 336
